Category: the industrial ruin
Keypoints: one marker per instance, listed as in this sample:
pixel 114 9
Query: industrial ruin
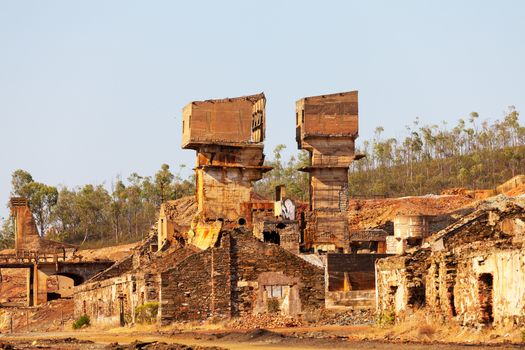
pixel 229 253
pixel 327 126
pixel 471 271
pixel 42 258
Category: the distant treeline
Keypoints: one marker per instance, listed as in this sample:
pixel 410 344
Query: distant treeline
pixel 92 215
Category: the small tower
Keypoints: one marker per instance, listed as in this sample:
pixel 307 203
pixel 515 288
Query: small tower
pixel 327 126
pixel 26 232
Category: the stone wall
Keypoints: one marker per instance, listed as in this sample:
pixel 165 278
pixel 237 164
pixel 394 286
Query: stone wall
pixel 286 233
pixel 400 284
pixel 104 301
pixel 238 278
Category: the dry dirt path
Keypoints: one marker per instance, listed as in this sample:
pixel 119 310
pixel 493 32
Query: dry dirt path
pixel 237 340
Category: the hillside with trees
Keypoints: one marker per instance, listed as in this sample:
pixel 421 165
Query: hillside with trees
pixel 431 158
pixel 472 154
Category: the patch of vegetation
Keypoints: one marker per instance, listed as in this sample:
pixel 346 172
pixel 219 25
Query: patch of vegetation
pixel 82 321
pixel 273 305
pixel 426 329
pixel 147 312
pixel 386 319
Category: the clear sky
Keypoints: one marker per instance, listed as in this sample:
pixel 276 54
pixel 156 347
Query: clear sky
pixel 93 89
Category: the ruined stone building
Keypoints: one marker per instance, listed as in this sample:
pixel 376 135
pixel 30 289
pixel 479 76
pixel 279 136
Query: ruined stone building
pixel 238 278
pixel 473 271
pixel 327 126
pixel 235 277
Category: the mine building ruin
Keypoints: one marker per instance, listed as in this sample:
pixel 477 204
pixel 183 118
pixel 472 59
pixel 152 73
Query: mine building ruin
pixel 238 255
pixel 42 258
pixel 471 271
pixel 326 127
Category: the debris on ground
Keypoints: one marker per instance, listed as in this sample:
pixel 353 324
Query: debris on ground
pixel 139 345
pixel 265 320
pixel 347 318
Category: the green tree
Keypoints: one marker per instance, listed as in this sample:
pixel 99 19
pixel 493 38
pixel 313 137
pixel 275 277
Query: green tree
pixel 163 184
pixel 7 233
pixel 19 180
pixel 92 204
pixel 42 198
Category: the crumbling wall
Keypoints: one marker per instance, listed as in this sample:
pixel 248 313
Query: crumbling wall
pixel 198 287
pixel 400 284
pixel 391 286
pixel 285 233
pixel 105 301
pixel 230 280
pixel 440 284
pixel 474 270
pixel 506 269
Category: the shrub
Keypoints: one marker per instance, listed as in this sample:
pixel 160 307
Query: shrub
pixel 386 319
pixel 81 322
pixel 426 329
pixel 147 313
pixel 273 305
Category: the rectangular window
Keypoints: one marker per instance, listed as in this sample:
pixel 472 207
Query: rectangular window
pixel 275 291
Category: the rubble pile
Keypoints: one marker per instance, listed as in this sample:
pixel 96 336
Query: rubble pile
pixel 265 320
pixel 347 318
pixel 517 191
pixel 371 213
pixel 136 345
pixel 181 210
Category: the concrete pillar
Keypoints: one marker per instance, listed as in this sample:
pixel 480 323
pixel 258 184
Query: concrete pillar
pixel 346 282
pixel 39 286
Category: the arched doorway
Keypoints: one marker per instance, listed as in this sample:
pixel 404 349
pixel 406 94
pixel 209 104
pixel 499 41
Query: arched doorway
pixel 62 285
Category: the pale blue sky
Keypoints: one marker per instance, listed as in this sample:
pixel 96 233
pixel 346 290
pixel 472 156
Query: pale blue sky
pixel 93 89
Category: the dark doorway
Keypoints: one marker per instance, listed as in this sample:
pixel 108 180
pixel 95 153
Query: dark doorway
pixel 485 295
pixel 272 237
pixel 53 296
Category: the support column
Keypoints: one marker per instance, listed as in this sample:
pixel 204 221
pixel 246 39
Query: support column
pixel 39 286
pixel 29 285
